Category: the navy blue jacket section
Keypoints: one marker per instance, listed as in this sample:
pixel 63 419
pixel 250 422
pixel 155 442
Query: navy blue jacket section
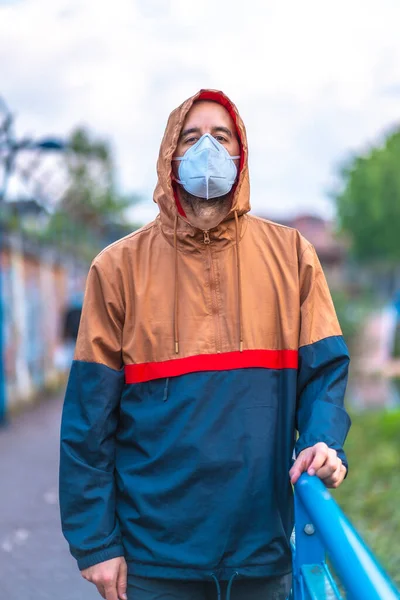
pixel 188 476
pixel 87 483
pixel 321 385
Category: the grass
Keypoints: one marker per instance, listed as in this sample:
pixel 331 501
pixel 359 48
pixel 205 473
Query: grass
pixel 370 496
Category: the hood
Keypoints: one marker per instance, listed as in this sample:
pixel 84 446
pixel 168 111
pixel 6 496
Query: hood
pixel 165 194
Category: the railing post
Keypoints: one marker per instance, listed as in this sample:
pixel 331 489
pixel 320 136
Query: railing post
pixel 308 547
pixel 360 573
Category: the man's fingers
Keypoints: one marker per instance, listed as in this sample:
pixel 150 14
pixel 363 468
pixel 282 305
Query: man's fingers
pixel 296 470
pixel 107 586
pixel 107 589
pixel 105 575
pixel 122 581
pixel 336 478
pixel 331 465
pixel 320 456
pixel 110 589
pixel 98 582
pixel 101 591
pixel 301 464
pixel 100 588
pixel 333 477
pixel 319 460
pixel 326 472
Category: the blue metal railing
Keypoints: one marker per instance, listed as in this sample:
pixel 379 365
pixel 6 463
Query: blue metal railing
pixel 321 527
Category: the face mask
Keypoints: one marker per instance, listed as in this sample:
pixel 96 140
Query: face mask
pixel 207 169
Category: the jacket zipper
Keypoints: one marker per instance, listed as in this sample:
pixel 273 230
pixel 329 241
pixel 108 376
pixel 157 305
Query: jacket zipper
pixel 213 290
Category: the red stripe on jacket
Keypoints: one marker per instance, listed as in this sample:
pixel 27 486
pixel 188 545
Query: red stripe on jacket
pixel 227 361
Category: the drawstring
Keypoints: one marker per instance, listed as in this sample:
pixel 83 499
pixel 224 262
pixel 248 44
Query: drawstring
pixel 165 396
pixel 228 590
pixel 176 311
pixel 239 280
pixel 217 585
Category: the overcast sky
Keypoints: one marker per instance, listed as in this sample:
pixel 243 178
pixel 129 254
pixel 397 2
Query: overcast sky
pixel 313 80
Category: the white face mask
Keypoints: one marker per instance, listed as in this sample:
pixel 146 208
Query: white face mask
pixel 207 169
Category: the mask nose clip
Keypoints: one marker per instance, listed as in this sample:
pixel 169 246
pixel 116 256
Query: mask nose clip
pixel 207 141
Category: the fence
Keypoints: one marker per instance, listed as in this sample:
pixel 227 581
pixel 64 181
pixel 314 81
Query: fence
pixel 36 284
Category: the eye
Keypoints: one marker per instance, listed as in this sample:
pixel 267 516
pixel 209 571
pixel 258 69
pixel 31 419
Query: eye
pixel 191 140
pixel 220 138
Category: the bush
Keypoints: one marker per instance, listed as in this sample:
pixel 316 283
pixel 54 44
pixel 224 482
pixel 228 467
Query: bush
pixel 396 350
pixel 370 494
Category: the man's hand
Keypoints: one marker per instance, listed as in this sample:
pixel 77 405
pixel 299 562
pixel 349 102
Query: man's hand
pixel 110 578
pixel 321 461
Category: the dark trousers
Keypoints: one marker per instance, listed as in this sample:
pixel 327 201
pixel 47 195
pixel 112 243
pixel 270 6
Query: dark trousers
pixel 272 588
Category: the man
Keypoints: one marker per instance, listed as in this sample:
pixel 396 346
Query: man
pixel 207 338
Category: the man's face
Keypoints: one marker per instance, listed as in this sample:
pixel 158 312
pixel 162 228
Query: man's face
pixel 207 117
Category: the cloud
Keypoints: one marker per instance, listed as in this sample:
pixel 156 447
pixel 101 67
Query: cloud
pixel 312 80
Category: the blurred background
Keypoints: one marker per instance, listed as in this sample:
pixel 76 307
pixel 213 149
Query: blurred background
pixel 85 92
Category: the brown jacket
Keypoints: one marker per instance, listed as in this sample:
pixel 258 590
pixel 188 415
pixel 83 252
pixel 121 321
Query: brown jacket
pixel 198 357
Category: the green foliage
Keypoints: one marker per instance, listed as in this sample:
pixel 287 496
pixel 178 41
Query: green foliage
pixel 370 494
pixel 396 350
pixel 352 312
pixel 350 318
pixel 91 213
pixel 7 219
pixel 368 202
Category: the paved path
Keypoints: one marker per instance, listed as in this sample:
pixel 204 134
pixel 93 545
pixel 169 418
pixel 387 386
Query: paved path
pixel 35 563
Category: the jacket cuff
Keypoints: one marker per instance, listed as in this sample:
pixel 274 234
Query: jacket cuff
pixel 94 558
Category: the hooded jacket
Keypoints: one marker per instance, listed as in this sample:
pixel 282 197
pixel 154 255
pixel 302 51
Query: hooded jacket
pixel 200 355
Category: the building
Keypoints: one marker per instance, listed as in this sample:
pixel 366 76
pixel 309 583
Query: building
pixel 321 233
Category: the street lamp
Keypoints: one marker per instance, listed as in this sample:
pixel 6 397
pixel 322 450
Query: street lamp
pixel 12 148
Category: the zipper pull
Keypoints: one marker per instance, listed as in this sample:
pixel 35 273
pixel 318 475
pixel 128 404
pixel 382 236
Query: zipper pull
pixel 206 237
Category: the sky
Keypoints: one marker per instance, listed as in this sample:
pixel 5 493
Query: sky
pixel 314 82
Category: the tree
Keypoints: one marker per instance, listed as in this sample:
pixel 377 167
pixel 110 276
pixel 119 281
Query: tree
pixel 368 202
pixel 91 213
